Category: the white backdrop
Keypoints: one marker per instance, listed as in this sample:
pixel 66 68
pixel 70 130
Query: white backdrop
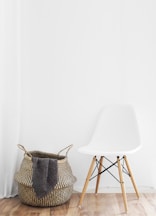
pixel 60 62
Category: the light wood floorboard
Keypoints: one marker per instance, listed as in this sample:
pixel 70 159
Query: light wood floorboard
pixel 93 205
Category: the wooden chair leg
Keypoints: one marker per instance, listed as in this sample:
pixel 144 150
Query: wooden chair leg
pixel 99 176
pixel 87 181
pixel 131 176
pixel 122 184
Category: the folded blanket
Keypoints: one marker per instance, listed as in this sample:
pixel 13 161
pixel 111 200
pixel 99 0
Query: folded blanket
pixel 45 175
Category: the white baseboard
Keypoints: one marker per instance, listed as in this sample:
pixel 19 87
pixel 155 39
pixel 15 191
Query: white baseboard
pixel 141 189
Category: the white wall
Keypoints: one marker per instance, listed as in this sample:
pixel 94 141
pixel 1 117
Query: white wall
pixel 75 57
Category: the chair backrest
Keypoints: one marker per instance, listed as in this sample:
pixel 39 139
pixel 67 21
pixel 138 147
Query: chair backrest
pixel 117 128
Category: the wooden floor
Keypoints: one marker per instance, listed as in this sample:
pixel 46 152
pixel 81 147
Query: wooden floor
pixel 93 205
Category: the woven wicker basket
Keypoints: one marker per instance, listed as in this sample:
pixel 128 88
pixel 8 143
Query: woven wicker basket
pixel 62 190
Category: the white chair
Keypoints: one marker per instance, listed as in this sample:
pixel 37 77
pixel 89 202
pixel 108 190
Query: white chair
pixel 116 134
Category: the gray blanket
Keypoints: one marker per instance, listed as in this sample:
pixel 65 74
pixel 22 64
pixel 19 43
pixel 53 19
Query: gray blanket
pixel 45 175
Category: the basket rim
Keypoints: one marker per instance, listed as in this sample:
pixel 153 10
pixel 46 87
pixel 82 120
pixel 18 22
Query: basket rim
pixel 42 154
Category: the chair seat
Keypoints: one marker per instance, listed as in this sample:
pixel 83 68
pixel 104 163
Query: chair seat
pixel 99 151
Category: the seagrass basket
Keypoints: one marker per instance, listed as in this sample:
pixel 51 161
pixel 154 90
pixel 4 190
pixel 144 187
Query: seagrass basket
pixel 62 191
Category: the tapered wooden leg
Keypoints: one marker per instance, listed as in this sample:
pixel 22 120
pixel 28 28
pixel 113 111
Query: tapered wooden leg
pixel 87 180
pixel 122 184
pixel 131 176
pixel 99 175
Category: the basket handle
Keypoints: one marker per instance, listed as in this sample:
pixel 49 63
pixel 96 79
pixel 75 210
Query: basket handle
pixel 23 149
pixel 68 148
